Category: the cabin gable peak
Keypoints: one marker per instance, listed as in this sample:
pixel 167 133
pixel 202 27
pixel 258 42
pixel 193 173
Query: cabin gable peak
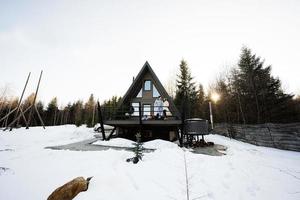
pixel 145 89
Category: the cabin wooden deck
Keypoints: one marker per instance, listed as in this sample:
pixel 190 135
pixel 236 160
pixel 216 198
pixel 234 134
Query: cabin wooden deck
pixel 131 122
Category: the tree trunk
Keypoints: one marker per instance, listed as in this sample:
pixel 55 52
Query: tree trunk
pixel 241 109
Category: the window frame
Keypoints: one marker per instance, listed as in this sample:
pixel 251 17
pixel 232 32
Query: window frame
pixel 135 106
pixel 146 104
pixel 153 86
pixel 140 91
pixel 145 84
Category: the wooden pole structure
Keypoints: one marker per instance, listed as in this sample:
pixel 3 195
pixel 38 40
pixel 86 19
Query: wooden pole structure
pixel 34 100
pixel 19 103
pixel 6 116
pixel 9 109
pixel 101 121
pixel 40 118
pixel 23 116
pixel 6 120
pixel 16 119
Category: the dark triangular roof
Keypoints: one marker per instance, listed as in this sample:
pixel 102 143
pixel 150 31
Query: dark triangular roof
pixel 137 83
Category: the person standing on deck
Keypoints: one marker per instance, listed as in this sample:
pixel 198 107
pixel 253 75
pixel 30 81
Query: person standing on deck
pixel 158 107
pixel 165 108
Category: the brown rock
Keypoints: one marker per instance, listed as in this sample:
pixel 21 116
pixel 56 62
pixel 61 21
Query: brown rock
pixel 69 190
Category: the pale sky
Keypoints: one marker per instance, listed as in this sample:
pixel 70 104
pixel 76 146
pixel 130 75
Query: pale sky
pixel 97 46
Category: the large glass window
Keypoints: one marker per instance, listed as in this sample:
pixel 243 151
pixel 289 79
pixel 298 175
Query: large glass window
pixel 155 92
pixel 140 94
pixel 147 85
pixel 146 109
pixel 136 109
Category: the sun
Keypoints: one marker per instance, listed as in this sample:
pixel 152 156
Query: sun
pixel 215 97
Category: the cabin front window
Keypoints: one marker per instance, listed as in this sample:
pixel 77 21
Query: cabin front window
pixel 147 85
pixel 140 94
pixel 155 93
pixel 146 109
pixel 135 109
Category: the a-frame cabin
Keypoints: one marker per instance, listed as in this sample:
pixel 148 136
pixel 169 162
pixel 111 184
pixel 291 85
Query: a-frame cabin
pixel 136 111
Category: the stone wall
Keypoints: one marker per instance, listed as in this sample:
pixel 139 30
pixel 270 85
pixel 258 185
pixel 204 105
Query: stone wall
pixel 281 136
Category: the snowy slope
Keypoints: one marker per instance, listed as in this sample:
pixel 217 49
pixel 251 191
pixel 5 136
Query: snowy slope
pixel 246 172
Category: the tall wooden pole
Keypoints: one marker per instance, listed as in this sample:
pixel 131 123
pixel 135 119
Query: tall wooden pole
pixel 41 120
pixel 5 121
pixel 5 118
pixel 101 121
pixel 24 118
pixel 10 112
pixel 34 100
pixel 16 119
pixel 211 116
pixel 19 103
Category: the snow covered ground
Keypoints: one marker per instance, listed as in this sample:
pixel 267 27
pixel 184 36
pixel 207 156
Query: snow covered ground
pixel 246 172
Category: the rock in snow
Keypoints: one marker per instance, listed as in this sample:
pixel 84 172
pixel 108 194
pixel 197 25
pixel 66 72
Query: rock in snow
pixel 69 190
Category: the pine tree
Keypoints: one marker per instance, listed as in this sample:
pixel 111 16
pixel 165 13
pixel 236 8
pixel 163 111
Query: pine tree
pixel 51 112
pixel 40 108
pixel 78 113
pixel 185 97
pixel 89 111
pixel 109 108
pixel 138 150
pixel 69 115
pixel 200 105
pixel 260 93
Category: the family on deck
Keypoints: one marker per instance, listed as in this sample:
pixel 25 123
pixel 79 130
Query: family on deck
pixel 160 111
pixel 161 107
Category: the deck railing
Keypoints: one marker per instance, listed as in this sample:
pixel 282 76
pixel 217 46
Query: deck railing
pixel 148 112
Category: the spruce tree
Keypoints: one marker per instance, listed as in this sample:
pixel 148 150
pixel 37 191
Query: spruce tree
pixel 89 111
pixel 51 112
pixel 110 106
pixel 261 93
pixel 138 150
pixel 185 97
pixel 78 113
pixel 200 104
pixel 40 108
